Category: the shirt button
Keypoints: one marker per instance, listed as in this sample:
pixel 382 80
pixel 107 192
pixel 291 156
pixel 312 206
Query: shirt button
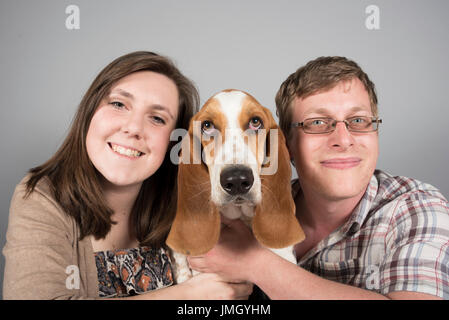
pixel 353 230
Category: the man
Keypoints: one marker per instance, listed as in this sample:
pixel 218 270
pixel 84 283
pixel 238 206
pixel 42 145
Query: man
pixel 369 235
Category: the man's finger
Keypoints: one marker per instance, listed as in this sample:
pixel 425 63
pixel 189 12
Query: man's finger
pixel 242 290
pixel 195 262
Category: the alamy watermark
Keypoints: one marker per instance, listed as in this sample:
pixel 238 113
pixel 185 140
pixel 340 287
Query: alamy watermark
pixel 372 21
pixel 72 282
pixel 373 279
pixel 235 147
pixel 72 22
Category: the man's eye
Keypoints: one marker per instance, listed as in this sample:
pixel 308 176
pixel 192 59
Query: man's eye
pixel 255 123
pixel 318 122
pixel 358 120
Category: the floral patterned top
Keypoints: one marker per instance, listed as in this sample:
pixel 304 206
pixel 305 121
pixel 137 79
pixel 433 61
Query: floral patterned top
pixel 128 272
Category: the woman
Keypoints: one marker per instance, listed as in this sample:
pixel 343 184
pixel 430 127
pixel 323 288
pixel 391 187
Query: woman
pixel 92 221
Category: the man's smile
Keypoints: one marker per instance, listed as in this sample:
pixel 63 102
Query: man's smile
pixel 341 163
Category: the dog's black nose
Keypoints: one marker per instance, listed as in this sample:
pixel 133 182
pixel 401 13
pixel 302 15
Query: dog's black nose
pixel 236 180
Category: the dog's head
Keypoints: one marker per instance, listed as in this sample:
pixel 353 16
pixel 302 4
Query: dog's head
pixel 234 155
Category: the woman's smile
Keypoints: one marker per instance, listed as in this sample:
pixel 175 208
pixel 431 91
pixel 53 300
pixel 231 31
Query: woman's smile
pixel 125 151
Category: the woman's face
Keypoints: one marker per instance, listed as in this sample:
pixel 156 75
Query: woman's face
pixel 130 130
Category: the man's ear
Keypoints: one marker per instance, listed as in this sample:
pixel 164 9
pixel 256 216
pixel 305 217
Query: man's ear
pixel 290 153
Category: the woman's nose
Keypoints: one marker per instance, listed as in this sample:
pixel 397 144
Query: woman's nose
pixel 133 125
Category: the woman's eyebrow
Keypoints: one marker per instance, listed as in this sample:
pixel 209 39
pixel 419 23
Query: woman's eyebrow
pixel 123 93
pixel 154 106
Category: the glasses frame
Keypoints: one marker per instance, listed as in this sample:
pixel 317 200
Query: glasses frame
pixel 334 124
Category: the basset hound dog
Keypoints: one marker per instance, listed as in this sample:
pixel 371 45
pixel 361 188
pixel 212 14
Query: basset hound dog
pixel 234 162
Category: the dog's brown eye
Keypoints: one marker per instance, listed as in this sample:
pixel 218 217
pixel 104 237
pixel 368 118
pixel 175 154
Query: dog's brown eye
pixel 255 123
pixel 207 127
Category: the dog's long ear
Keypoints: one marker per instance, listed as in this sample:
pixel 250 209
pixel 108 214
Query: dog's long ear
pixel 275 224
pixel 196 227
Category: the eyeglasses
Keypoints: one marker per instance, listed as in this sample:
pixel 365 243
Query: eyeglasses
pixel 326 125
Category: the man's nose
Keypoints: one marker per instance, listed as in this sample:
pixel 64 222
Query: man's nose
pixel 341 137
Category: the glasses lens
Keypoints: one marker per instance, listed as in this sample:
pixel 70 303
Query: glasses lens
pixel 355 124
pixel 360 124
pixel 317 125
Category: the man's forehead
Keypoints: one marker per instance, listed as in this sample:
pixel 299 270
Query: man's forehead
pixel 347 97
pixel 329 112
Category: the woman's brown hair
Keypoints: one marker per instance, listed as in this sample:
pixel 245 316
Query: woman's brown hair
pixel 74 180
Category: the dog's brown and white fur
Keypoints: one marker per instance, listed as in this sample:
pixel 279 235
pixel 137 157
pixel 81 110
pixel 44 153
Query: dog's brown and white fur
pixel 230 180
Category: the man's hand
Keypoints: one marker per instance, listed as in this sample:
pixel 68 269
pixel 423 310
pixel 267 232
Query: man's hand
pixel 232 256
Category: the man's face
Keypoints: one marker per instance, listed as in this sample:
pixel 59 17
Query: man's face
pixel 337 165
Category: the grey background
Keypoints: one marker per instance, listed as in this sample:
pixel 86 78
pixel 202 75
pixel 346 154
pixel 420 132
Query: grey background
pixel 250 45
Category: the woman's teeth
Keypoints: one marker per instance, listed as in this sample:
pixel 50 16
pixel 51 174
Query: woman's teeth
pixel 125 151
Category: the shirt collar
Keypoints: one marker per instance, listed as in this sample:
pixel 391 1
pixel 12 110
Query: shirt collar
pixel 350 227
pixel 360 213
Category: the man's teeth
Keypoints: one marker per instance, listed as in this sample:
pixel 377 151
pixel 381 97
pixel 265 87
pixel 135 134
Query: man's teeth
pixel 126 152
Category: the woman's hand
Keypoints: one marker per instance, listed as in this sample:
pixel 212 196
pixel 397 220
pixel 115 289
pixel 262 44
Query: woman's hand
pixel 204 286
pixel 210 286
pixel 233 256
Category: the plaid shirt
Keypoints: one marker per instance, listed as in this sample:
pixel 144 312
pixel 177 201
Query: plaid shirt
pixel 397 239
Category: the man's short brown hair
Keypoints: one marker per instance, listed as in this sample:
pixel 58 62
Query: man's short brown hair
pixel 318 75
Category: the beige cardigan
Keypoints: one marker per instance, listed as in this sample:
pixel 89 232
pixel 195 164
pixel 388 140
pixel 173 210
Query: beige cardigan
pixel 41 246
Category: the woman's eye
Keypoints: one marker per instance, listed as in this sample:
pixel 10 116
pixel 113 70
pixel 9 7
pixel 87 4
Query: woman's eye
pixel 207 127
pixel 158 120
pixel 117 104
pixel 255 123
